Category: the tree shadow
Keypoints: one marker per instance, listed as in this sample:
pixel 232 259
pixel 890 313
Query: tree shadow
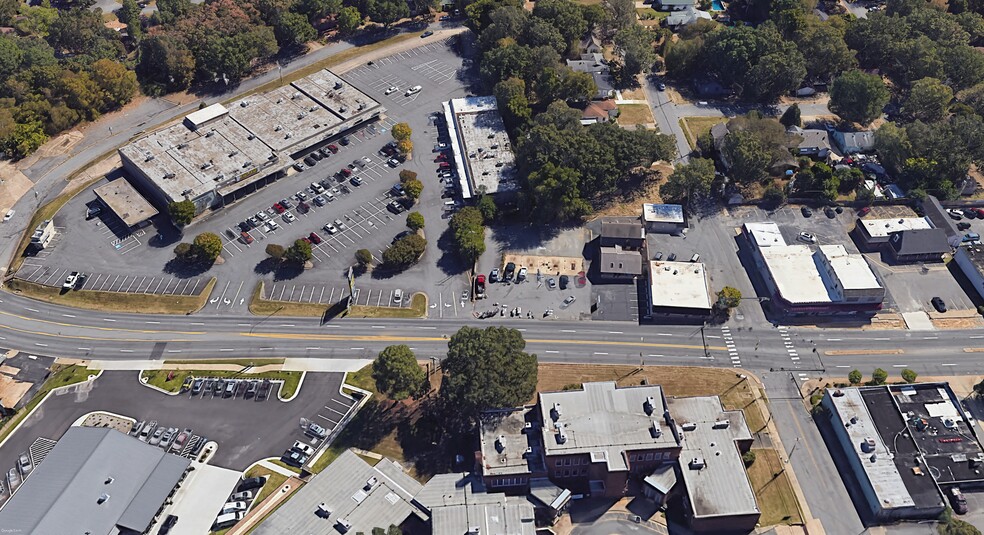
pixel 280 269
pixel 184 269
pixel 450 262
pixel 526 236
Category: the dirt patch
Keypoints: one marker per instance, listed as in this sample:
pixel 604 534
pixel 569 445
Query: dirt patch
pixel 633 114
pixel 102 419
pixel 553 265
pixel 773 490
pixel 957 323
pixel 12 390
pixel 13 185
pixel 633 94
pixel 629 203
pixel 60 144
pixel 94 172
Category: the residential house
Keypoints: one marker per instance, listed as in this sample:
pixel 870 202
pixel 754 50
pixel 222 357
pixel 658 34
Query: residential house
pixel 591 44
pixel 917 245
pixel 599 111
pixel 815 143
pixel 686 16
pixel 595 65
pixel 673 5
pixel 854 142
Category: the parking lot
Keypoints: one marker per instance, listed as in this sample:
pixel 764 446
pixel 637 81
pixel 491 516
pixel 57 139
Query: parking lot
pixel 142 262
pixel 230 422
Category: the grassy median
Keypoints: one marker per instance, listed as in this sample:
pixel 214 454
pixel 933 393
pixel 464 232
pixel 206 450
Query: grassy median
pixel 260 306
pixel 234 362
pixel 417 309
pixel 159 378
pixel 114 301
pixel 773 490
pixel 61 375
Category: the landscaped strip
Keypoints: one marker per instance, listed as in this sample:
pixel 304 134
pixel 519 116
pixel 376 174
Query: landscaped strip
pixel 773 490
pixel 269 307
pixel 417 309
pixel 61 375
pixel 233 362
pixel 114 301
pixel 159 378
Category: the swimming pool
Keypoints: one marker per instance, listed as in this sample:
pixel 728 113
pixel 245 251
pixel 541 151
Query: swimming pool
pixel 716 5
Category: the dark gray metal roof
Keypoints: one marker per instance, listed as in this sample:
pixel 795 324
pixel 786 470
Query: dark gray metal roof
pixel 89 465
pixel 617 261
pixel 458 502
pixel 919 241
pixel 938 215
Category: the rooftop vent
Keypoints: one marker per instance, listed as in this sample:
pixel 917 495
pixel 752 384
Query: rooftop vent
pixel 528 426
pixel 343 524
pixel 279 100
pixel 556 411
pixel 102 499
pixel 838 393
pixel 108 481
pixel 721 424
pixel 656 430
pixel 689 426
pixel 696 463
pixel 343 109
pixel 500 443
pixel 873 458
pixel 278 128
pixel 561 436
pixel 868 445
pixel 474 530
pixel 528 452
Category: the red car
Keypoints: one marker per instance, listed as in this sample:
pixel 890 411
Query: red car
pixel 445 165
pixel 441 157
pixel 346 172
pixel 333 148
pixel 278 208
pixel 315 238
pixel 864 211
pixel 246 237
pixel 980 212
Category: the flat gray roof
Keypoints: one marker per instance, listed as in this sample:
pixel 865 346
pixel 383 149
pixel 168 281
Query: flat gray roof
pixel 224 148
pixel 679 285
pixel 504 438
pixel 616 260
pixel 85 466
pixel 458 502
pixel 342 488
pixel 482 151
pixel 126 202
pixel 720 487
pixel 662 213
pixel 604 420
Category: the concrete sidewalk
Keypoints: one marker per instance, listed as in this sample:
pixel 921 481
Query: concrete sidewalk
pixel 291 364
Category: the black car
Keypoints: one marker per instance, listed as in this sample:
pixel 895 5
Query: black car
pixel 317 155
pixel 309 161
pixel 286 204
pixel 958 501
pixel 244 226
pixel 394 207
pixel 168 523
pixel 969 214
pixel 219 387
pixel 345 140
pixel 251 483
pixel 829 212
pixel 963 225
pixel 324 152
pixel 401 235
pixel 806 211
pixel 938 304
pixel 508 273
pixel 565 281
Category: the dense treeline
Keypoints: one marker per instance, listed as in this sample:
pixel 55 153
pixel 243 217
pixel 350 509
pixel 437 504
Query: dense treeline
pixel 569 167
pixel 64 66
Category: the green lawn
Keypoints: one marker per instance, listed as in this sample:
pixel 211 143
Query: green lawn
pixel 417 309
pixel 773 490
pixel 237 362
pixel 159 378
pixel 274 481
pixel 284 465
pixel 694 127
pixel 60 376
pixel 114 301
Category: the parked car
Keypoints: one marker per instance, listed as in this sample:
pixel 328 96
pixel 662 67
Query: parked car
pixel 262 216
pixel 658 255
pixel 247 238
pixel 969 213
pixel 494 275
pixel 279 208
pixel 864 211
pixel 398 296
pixel 317 188
pixel 398 190
pixel 356 181
pixel 510 271
pixel 958 501
pixel 320 200
pixel 551 283
pixel 413 91
pixel 316 431
pixel 807 237
pixel 400 236
pixel 829 212
pixel 315 239
pixel 244 495
pixel 251 390
pixel 230 507
pixel 938 304
pixel 196 387
pixel 671 258
pixel 338 223
pixel 310 161
pixel 286 204
pixel 480 286
pixel 806 211
pixel 168 437
pixel 71 281
pixel 329 228
pixel 179 442
pixel 570 299
pixel 428 33
pixel 302 447
pixel 394 207
pixel 289 217
pixel 251 483
pixel 167 525
pixel 303 207
pixel 963 225
pixel 293 458
pixel 954 215
pixel 565 281
pixel 333 148
pixel 158 435
pixel 9 214
pixel 391 89
pixel 344 141
pixel 521 275
pixel 299 167
pixel 24 464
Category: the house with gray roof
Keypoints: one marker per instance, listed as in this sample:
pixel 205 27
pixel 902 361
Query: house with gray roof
pixel 917 245
pixel 854 142
pixel 95 481
pixel 595 65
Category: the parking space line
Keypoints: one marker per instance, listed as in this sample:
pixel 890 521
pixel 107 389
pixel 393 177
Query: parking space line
pixel 329 419
pixel 159 284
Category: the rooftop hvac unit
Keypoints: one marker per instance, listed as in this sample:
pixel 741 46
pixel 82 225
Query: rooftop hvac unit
pixel 561 436
pixel 838 393
pixel 696 463
pixel 343 109
pixel 339 85
pixel 500 443
pixel 301 115
pixel 313 109
pixel 251 137
pixel 206 165
pixel 362 106
pixel 278 128
pixel 279 100
pixel 210 133
pixel 721 424
pixel 656 430
pixel 528 452
pixel 689 426
pixel 650 405
pixel 288 135
pixel 474 530
pixel 527 427
pixel 343 524
pixel 220 176
pixel 233 153
pixel 247 164
pixel 557 411
pixel 295 96
pixel 182 145
pixel 149 158
pixel 370 483
pixel 244 103
pixel 168 175
pixel 868 445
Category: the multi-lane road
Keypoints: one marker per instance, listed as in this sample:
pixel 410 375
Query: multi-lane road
pixel 29 325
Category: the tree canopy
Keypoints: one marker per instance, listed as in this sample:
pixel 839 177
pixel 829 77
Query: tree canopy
pixel 397 373
pixel 405 252
pixel 487 369
pixel 207 246
pixel 468 229
pixel 181 212
pixel 299 252
pixel 858 97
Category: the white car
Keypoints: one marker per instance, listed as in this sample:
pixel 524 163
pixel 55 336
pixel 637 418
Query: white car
pixel 413 91
pixel 289 217
pixel 271 226
pixel 303 448
pixel 71 280
pixel 330 229
pixel 262 216
pixel 8 215
pixel 391 89
pixel 398 296
pixel 807 237
pixel 570 299
pixel 241 496
pixel 232 507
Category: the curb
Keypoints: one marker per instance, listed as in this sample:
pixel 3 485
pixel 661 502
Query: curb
pixel 297 391
pixel 91 379
pixel 147 384
pixel 78 422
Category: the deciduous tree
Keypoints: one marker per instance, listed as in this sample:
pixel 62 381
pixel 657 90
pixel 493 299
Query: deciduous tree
pixel 487 369
pixel 363 257
pixel 858 97
pixel 468 229
pixel 349 19
pixel 405 252
pixel 181 212
pixel 690 181
pixel 929 100
pixel 401 131
pixel 879 376
pixel 299 252
pixel 275 251
pixel 855 377
pixel 207 246
pixel 293 30
pixel 415 221
pixel 397 373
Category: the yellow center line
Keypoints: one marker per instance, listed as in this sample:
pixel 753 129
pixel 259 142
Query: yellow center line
pixel 97 338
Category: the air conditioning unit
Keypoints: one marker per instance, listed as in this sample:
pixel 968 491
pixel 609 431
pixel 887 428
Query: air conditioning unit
pixel 689 426
pixel 721 424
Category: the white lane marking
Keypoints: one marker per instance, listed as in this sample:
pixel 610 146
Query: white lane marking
pixel 615 332
pixel 197 323
pixel 287 325
pixel 152 322
pixel 599 353
pixel 356 348
pixel 551 351
pixel 948 364
pixel 40 345
pixel 109 319
pixel 226 349
pixel 834 339
pixel 567 331
pixel 899 365
pixel 377 326
pixel 668 334
pixel 68 315
pixel 428 328
pixel 126 351
pixel 33 309
pixel 173 350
